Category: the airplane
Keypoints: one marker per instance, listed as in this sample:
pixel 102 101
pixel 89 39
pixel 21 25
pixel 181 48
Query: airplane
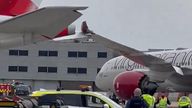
pixel 169 70
pixel 22 22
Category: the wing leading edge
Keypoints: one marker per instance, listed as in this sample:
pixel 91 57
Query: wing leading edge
pixel 46 21
pixel 160 69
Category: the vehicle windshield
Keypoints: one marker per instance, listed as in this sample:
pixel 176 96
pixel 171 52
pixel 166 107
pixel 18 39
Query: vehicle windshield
pixel 86 99
pixel 22 90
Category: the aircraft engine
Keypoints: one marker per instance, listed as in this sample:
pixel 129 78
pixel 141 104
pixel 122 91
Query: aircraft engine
pixel 125 83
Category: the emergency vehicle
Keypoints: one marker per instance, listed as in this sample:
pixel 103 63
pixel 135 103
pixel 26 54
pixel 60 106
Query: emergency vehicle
pixel 76 98
pixel 12 94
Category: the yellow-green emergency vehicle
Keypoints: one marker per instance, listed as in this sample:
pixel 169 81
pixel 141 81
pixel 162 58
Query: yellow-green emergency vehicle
pixel 74 98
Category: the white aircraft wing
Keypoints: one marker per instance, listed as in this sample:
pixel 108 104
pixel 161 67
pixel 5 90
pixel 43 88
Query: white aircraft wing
pixel 47 21
pixel 160 70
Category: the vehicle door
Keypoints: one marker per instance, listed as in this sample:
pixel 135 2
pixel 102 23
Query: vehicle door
pixel 94 102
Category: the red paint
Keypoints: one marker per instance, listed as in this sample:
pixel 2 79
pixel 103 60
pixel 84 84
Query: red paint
pixel 5 88
pixel 126 82
pixel 65 32
pixel 70 30
pixel 16 7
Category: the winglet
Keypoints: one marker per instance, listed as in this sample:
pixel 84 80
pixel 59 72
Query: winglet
pixel 70 30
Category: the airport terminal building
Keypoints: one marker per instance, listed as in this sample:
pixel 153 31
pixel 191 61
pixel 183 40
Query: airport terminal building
pixel 49 65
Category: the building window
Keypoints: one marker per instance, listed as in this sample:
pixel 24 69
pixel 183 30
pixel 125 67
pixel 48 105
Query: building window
pixel 13 52
pixel 72 54
pixel 12 69
pixel 43 53
pixel 102 55
pixel 23 53
pixel 82 70
pixel 52 69
pixel 18 52
pixel 23 68
pixel 53 53
pixel 72 70
pixel 82 54
pixel 42 69
pixel 47 69
pixel 77 54
pixel 48 53
pixel 18 69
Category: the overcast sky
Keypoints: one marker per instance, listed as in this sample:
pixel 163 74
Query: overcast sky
pixel 139 24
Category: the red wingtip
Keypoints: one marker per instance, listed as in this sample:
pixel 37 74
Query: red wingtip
pixel 63 33
pixel 70 30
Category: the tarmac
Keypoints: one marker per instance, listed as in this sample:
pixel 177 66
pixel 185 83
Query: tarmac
pixel 173 105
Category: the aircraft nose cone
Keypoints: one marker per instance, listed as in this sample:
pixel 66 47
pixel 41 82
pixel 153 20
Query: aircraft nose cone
pixel 103 82
pixel 97 82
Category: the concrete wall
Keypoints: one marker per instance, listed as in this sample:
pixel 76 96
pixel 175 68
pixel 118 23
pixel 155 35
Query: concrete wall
pixel 62 62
